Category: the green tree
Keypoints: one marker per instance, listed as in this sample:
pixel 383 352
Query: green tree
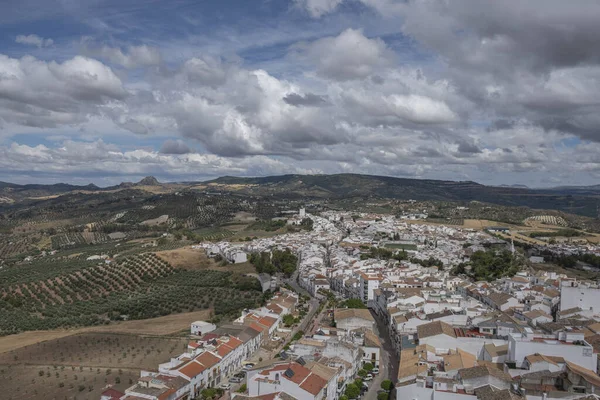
pixel 368 367
pixel 383 396
pixel 352 391
pixel 362 373
pixel 209 393
pixel 242 388
pixel 387 385
pixel 353 303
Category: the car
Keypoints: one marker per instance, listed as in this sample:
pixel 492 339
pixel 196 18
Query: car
pixel 241 374
pixel 248 366
pixel 375 371
pixel 235 379
pixel 367 378
pixel 225 386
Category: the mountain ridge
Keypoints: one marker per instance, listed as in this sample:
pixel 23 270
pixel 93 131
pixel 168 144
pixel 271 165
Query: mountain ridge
pixel 582 200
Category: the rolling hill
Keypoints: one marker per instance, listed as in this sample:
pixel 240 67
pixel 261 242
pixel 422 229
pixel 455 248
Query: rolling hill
pixel 575 200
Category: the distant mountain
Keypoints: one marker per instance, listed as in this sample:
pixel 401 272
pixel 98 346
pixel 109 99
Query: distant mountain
pixel 515 186
pixel 576 200
pixel 354 185
pixel 148 181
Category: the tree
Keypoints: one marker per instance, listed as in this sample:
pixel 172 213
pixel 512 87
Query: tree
pixel 362 373
pixel 209 393
pixel 387 385
pixel 353 303
pixel 288 320
pixel 242 388
pixel 383 396
pixel 352 391
pixel 368 367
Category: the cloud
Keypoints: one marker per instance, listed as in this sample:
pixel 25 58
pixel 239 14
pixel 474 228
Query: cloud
pixel 350 55
pixel 47 94
pixel 132 57
pixel 317 8
pixel 93 159
pixel 309 99
pixel 175 147
pixel 427 88
pixel 34 40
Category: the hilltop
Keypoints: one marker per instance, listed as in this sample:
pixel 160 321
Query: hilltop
pixel 576 200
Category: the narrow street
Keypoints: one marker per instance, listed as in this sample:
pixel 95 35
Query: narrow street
pixel 388 366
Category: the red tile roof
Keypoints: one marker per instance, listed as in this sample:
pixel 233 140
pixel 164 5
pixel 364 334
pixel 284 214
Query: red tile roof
pixel 257 327
pixel 313 384
pixel 267 321
pixel 208 359
pixel 192 369
pixel 113 394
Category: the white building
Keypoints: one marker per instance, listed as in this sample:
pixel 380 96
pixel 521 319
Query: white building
pixel 569 345
pixel 291 378
pixel 576 294
pixel 200 328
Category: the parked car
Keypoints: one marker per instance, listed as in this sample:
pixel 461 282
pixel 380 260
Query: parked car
pixel 235 379
pixel 375 371
pixel 225 386
pixel 367 378
pixel 248 366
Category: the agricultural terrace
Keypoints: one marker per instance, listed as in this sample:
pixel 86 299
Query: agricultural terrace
pixel 88 293
pixel 14 246
pixel 80 366
pixel 78 238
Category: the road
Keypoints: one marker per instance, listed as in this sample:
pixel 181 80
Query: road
pixel 388 364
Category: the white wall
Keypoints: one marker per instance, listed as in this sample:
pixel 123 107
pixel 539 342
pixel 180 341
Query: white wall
pixel 470 345
pixel 354 323
pixel 579 296
pixel 581 355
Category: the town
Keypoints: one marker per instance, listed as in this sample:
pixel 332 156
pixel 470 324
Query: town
pixel 379 307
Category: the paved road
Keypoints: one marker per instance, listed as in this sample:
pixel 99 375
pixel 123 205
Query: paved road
pixel 388 364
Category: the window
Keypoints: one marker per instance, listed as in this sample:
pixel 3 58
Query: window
pixel 277 376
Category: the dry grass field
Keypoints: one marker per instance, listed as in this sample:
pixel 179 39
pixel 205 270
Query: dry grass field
pixel 186 258
pixel 196 259
pixel 167 325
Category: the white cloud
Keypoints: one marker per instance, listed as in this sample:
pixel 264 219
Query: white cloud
pixel 34 40
pixel 350 55
pixel 39 93
pixel 132 57
pixel 317 8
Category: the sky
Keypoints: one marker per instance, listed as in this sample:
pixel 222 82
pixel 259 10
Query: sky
pixel 105 91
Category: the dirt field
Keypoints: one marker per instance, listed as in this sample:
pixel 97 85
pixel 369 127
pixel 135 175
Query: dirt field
pixel 242 268
pixel 24 382
pixel 189 258
pixel 103 350
pixel 186 258
pixel 81 366
pixel 167 325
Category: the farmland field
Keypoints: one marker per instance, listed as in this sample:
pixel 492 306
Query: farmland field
pixel 80 366
pixel 168 325
pixel 77 292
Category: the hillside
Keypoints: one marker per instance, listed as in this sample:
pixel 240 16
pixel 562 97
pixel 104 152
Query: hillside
pixel 353 185
pixel 575 200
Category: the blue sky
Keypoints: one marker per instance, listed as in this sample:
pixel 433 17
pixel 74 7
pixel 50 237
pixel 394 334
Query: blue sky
pixel 106 91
